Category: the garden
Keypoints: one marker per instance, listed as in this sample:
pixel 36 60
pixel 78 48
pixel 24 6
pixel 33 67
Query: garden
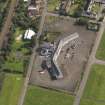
pixel 18 54
pixel 18 50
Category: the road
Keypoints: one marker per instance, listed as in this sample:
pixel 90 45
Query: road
pixel 42 20
pixel 33 56
pixel 7 23
pixel 89 64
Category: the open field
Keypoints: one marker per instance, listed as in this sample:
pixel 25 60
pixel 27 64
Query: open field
pixel 40 96
pixel 101 50
pixel 11 89
pixel 94 93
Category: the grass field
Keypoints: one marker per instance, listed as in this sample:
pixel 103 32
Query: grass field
pixel 39 96
pixel 101 50
pixel 11 89
pixel 91 102
pixel 94 93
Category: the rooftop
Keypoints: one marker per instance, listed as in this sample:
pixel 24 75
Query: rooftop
pixel 29 33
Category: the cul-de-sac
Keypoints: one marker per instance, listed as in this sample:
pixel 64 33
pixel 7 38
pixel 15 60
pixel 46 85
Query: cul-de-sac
pixel 52 52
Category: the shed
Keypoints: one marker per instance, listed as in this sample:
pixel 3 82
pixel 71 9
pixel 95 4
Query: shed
pixel 29 33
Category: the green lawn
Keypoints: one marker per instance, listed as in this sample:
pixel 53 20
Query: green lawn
pixel 101 50
pixel 52 4
pixel 39 96
pixel 94 93
pixel 11 89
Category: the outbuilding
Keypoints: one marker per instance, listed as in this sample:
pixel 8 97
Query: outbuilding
pixel 29 34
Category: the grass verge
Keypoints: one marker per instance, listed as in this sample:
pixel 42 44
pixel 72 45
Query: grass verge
pixel 101 50
pixel 40 96
pixel 11 89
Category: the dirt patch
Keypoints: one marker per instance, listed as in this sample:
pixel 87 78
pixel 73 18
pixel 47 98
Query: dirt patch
pixel 71 61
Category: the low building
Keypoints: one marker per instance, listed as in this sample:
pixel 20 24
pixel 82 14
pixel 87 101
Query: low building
pixel 29 34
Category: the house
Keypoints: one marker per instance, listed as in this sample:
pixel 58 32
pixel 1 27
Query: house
pixel 35 7
pixel 29 34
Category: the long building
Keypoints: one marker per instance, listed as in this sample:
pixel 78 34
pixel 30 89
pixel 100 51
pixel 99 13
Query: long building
pixel 62 43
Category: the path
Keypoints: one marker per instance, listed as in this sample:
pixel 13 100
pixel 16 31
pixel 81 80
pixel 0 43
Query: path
pixel 7 23
pixel 89 64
